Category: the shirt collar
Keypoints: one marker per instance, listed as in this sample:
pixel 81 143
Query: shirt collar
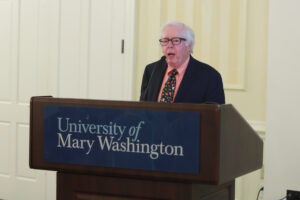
pixel 181 69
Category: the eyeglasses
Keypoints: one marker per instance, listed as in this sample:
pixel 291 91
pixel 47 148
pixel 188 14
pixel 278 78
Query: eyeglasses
pixel 175 41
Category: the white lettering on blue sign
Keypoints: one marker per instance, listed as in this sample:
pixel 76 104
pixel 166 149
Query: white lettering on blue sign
pixel 132 139
pixel 112 129
pixel 70 143
pixel 109 138
pixel 154 150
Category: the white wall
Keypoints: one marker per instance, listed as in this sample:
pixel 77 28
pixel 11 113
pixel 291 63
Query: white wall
pixel 64 48
pixel 282 147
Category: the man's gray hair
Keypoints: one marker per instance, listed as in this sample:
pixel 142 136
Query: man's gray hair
pixel 188 33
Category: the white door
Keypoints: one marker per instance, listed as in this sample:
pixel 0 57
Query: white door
pixel 63 48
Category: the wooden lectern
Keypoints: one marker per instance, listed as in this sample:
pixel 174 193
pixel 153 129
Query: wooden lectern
pixel 228 148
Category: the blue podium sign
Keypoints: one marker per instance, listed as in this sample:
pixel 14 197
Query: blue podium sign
pixel 132 139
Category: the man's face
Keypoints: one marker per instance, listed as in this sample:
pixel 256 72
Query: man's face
pixel 175 54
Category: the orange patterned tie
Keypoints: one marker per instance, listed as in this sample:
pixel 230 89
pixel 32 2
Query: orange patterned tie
pixel 168 91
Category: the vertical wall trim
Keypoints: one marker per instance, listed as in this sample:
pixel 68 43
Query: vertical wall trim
pixel 84 47
pixel 18 52
pixel 38 68
pixel 10 59
pixel 171 10
pixel 112 2
pixel 241 49
pixel 242 43
pixel 130 36
pixel 88 67
pixel 189 12
pixel 206 30
pixel 163 12
pixel 59 47
pixel 224 27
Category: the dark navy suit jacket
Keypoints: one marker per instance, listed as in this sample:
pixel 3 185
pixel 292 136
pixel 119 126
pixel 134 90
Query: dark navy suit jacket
pixel 201 83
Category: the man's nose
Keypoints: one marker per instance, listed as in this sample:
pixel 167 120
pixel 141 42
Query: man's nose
pixel 170 44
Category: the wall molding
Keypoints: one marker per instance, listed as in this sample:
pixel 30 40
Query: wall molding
pixel 221 44
pixel 259 127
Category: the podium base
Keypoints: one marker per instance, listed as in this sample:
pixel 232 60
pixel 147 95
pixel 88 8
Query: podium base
pixel 87 187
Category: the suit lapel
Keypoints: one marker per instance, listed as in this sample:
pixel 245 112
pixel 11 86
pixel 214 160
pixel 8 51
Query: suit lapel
pixel 184 85
pixel 157 78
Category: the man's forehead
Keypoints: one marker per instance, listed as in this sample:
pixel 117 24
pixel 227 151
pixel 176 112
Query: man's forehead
pixel 175 31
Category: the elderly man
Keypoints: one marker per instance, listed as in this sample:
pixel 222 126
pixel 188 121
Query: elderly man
pixel 177 76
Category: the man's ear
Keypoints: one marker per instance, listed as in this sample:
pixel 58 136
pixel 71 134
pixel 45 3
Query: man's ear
pixel 190 47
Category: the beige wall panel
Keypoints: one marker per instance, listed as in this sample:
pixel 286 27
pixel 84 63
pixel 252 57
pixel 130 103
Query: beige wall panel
pixel 214 37
pixel 233 40
pixel 251 102
pixel 230 35
pixel 85 11
pixel 28 50
pixel 201 21
pixel 211 25
pixel 33 50
pixel 69 50
pixel 53 45
pixel 147 46
pixel 130 48
pixel 223 44
pixel 117 67
pixel 171 10
pixel 213 22
pixel 5 49
pixel 43 54
pixel 237 49
pixel 180 5
pixel 153 24
pixel 189 12
pixel 22 150
pixel 100 58
pixel 90 58
pixel 29 188
pixel 4 148
pixel 29 183
pixel 8 51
